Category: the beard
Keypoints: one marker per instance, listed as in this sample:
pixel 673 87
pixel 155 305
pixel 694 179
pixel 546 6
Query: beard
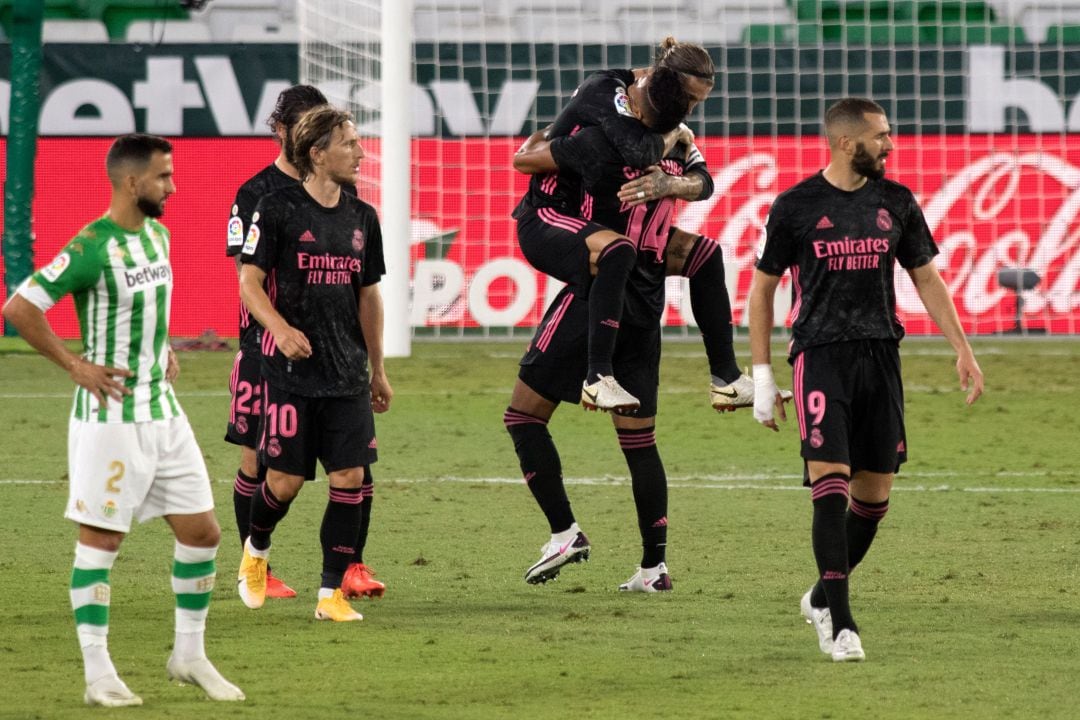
pixel 149 208
pixel 866 165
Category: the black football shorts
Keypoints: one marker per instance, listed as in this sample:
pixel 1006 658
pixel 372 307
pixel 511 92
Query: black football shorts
pixel 297 430
pixel 849 400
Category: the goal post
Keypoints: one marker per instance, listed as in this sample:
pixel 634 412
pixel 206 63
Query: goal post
pixel 359 52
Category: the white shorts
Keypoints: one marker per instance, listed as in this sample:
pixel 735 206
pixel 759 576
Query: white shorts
pixel 120 471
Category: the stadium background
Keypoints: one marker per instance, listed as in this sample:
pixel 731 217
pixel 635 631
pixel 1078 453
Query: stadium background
pixel 981 96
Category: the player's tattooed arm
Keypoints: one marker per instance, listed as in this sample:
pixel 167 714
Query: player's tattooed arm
pixel 656 184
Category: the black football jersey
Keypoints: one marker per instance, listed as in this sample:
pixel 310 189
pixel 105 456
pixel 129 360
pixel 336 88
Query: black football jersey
pixel 599 101
pixel 267 180
pixel 841 248
pixel 316 260
pixel 591 155
pixel 264 182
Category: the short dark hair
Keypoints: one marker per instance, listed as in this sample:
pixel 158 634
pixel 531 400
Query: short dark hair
pixel 293 102
pixel 850 111
pixel 313 130
pixel 686 58
pixel 667 101
pixel 134 148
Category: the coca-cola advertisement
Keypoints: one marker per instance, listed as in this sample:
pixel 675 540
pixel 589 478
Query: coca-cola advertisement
pixel 993 202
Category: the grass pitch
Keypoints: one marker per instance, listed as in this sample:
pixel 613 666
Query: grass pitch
pixel 968 602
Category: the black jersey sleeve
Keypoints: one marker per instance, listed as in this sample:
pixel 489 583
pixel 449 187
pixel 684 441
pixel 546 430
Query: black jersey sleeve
pixel 242 208
pixel 374 265
pixel 916 246
pixel 638 146
pixel 779 251
pixel 261 244
pixel 580 152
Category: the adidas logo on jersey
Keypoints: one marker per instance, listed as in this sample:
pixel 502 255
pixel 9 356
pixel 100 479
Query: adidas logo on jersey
pixel 307 237
pixel 824 223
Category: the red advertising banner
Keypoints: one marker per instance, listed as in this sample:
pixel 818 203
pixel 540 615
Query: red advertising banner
pixel 71 189
pixel 992 201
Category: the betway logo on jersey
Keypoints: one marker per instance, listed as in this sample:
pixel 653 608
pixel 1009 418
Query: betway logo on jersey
pixel 147 277
pixel 307 261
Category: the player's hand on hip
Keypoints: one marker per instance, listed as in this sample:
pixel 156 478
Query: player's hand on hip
pixel 293 343
pixel 172 370
pixel 100 380
pixel 767 397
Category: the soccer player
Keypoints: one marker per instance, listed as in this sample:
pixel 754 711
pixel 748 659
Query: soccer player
pixel 245 383
pixel 556 240
pixel 694 256
pixel 321 249
pixel 840 232
pixel 603 101
pixel 131 452
pixel 558 352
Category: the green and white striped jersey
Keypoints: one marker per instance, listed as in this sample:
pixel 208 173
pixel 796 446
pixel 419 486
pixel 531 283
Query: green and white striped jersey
pixel 121 282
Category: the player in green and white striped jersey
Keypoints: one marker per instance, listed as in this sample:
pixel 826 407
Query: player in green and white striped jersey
pixel 131 452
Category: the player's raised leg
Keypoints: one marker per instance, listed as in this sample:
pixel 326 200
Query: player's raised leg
pixel 612 256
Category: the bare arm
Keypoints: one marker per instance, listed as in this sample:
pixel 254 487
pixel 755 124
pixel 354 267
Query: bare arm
pixel 935 297
pixel 30 321
pixel 657 184
pixel 371 325
pixel 292 343
pixel 762 293
pixel 534 155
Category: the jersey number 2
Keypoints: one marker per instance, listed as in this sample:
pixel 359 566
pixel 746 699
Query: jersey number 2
pixel 111 483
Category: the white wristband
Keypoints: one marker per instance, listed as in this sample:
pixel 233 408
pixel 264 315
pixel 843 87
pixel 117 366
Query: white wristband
pixel 764 392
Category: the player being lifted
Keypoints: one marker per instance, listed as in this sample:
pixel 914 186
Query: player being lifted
pixel 321 249
pixel 557 350
pixel 550 210
pixel 245 384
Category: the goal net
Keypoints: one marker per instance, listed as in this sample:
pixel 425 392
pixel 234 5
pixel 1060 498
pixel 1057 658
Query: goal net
pixel 980 96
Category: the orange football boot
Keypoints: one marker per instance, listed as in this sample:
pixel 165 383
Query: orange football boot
pixel 358 582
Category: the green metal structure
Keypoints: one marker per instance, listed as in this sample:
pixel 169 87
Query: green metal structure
pixel 18 239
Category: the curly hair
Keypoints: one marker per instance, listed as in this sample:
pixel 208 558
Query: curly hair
pixel 666 98
pixel 293 102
